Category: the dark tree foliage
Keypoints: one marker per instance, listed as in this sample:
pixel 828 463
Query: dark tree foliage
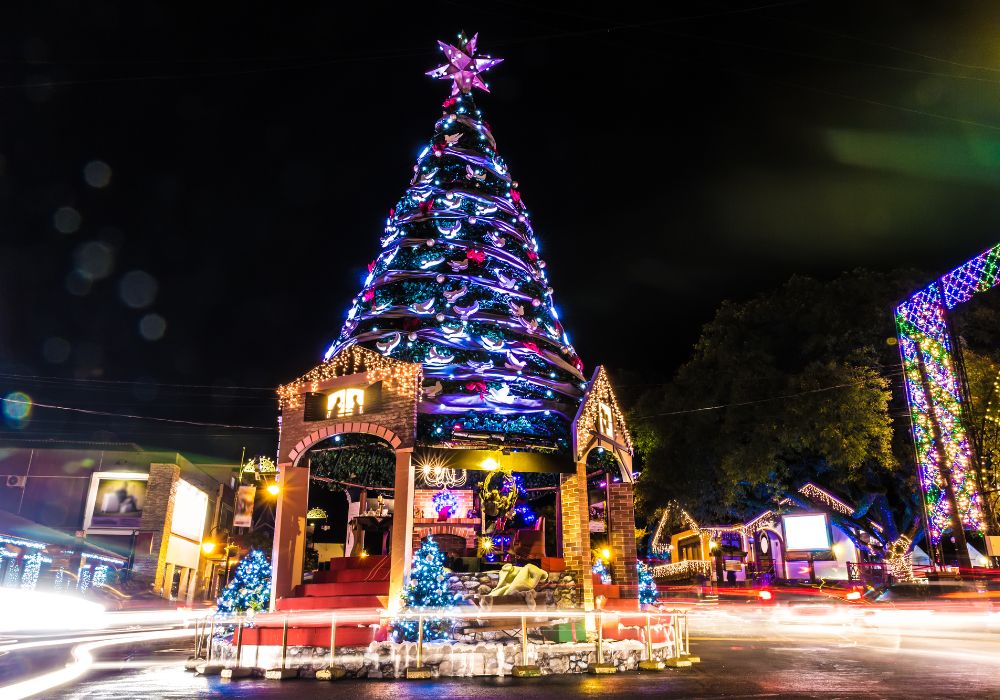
pixel 800 383
pixel 354 458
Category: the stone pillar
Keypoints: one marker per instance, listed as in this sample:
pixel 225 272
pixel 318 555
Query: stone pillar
pixel 288 554
pixel 154 527
pixel 168 582
pixel 402 525
pixel 182 585
pixel 621 536
pixel 575 515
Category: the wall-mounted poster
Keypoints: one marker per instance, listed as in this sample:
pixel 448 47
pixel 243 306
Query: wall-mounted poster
pixel 117 500
pixel 243 514
pixel 808 532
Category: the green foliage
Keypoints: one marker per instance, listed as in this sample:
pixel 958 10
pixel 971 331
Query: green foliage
pixel 983 378
pixel 356 459
pixel 803 378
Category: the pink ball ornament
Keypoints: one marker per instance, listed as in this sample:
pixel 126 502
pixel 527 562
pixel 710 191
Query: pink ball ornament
pixel 521 218
pixel 412 335
pixel 472 219
pixel 431 242
pixel 440 279
pixel 536 302
pixel 541 264
pixel 439 317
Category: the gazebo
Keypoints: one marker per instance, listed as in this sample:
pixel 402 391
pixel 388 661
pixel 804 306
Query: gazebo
pixel 387 394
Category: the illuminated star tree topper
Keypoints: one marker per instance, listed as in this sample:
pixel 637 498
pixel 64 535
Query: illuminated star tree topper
pixel 464 67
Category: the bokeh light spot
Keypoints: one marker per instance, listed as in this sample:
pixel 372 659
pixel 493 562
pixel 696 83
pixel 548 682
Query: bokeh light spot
pixel 138 289
pixel 152 326
pixel 77 284
pixel 66 220
pixel 97 174
pixel 17 409
pixel 94 260
pixel 56 350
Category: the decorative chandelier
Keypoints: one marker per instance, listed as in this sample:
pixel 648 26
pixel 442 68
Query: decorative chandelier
pixel 440 476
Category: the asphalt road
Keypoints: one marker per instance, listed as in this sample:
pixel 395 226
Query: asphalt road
pixel 749 668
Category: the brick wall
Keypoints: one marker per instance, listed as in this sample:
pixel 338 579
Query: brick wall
pixel 395 419
pixel 576 532
pixel 154 527
pixel 621 535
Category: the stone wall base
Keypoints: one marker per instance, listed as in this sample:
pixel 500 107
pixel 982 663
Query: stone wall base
pixel 390 660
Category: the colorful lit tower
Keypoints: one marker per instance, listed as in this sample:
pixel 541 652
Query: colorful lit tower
pixel 459 287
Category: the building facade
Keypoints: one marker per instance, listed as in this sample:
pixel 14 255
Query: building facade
pixel 147 510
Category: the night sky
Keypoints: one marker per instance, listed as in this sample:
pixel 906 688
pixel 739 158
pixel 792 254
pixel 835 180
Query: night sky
pixel 191 197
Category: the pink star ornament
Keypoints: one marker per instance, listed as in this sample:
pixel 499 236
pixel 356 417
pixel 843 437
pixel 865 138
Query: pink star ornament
pixel 464 67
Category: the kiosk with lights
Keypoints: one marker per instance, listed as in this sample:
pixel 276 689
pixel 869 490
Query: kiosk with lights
pixel 454 355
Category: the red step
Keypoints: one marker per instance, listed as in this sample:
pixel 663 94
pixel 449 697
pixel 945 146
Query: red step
pixel 339 602
pixel 338 563
pixel 608 590
pixel 351 576
pixel 333 589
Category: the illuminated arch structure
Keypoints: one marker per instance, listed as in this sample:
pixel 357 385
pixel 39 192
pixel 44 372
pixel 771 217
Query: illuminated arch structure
pixel 949 480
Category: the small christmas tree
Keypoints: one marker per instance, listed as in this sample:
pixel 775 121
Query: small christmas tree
pixel 647 587
pixel 427 590
pixel 601 570
pixel 250 588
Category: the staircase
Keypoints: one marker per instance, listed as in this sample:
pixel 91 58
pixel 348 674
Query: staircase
pixel 352 584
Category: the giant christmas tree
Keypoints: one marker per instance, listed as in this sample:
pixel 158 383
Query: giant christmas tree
pixel 459 286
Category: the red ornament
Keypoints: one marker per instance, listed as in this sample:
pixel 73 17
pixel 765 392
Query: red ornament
pixel 411 324
pixel 531 346
pixel 392 212
pixel 516 196
pixel 532 255
pixel 478 387
pixel 449 102
pixel 371 266
pixel 426 206
pixel 369 295
pixel 476 255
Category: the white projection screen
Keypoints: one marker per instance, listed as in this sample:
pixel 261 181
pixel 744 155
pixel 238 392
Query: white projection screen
pixel 806 532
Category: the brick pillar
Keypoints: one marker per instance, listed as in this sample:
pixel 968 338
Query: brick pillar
pixel 402 525
pixel 575 516
pixel 621 534
pixel 288 554
pixel 154 527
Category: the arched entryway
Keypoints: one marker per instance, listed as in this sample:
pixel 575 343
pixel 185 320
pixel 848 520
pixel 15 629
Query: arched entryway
pixel 768 553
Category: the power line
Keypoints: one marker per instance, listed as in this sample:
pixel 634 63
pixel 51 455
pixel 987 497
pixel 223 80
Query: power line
pixel 135 417
pixel 750 403
pixel 50 378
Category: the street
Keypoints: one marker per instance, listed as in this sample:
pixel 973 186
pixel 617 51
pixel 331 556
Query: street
pixel 744 654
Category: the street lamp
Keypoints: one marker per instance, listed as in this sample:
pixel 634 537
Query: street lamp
pixel 209 546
